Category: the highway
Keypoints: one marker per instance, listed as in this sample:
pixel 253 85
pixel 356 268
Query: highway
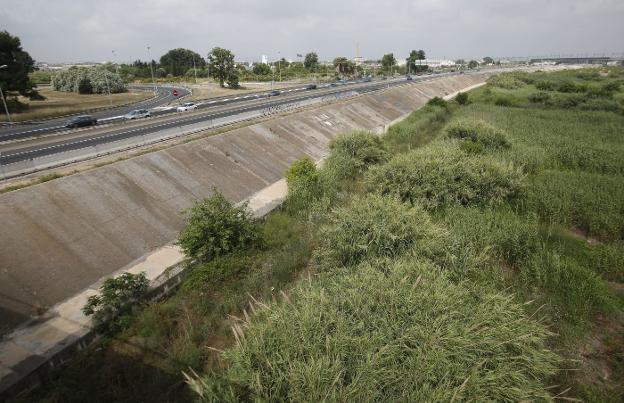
pixel 210 110
pixel 164 96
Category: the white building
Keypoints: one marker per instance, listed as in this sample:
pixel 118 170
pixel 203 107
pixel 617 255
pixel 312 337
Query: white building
pixel 265 59
pixel 436 62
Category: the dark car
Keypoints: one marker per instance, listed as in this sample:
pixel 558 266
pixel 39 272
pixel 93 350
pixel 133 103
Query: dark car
pixel 274 93
pixel 408 77
pixel 80 121
pixel 311 87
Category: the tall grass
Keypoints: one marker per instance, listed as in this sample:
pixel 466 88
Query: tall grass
pixel 441 174
pixel 402 334
pixel 373 227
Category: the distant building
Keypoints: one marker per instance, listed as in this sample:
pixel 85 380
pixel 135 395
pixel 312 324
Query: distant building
pixel 436 62
pixel 265 59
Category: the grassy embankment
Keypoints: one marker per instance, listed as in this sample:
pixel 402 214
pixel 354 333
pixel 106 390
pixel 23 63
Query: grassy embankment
pixel 475 252
pixel 59 103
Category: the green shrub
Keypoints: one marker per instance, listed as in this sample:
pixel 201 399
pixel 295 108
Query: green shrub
pixel 402 334
pixel 217 271
pixel 215 227
pixel 541 97
pixel 502 232
pixel 588 74
pixel 462 98
pixel 437 101
pixel 115 300
pixel 503 101
pixel 443 175
pixel 569 86
pixel 478 132
pixel 351 154
pixel 304 185
pixel 569 102
pixel 471 147
pixel 507 81
pixel 371 227
pixel 600 104
pixel 546 85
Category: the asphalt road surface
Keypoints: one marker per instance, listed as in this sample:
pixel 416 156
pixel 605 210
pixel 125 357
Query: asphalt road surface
pixel 239 105
pixel 20 130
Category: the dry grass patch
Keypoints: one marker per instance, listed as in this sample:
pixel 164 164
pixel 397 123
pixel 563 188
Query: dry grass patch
pixel 59 103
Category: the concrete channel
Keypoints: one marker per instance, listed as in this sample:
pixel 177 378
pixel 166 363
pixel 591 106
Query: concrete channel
pixel 61 239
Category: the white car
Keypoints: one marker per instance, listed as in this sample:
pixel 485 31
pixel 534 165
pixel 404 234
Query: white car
pixel 137 114
pixel 189 106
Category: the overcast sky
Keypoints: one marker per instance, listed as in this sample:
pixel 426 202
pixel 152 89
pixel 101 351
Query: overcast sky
pixel 89 30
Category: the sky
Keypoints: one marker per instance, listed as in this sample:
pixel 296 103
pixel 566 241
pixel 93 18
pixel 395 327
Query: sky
pixel 121 30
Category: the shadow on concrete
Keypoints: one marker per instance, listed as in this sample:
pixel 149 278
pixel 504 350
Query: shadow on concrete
pixel 102 374
pixel 10 319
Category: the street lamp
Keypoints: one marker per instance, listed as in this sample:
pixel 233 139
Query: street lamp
pixel 279 64
pixel 115 61
pixel 151 68
pixel 6 108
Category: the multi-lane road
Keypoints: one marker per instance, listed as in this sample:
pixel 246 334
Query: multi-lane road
pixel 163 96
pixel 62 140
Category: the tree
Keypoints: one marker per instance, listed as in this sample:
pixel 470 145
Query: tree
pixel 215 227
pixel 388 61
pixel 178 61
pixel 472 64
pixel 116 298
pixel 460 61
pixel 261 69
pixel 232 80
pixel 311 61
pixel 14 79
pixel 85 86
pixel 414 61
pixel 488 60
pixel 221 64
pixel 100 79
pixel 344 65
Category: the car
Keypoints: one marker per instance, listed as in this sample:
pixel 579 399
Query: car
pixel 311 87
pixel 383 78
pixel 367 79
pixel 80 121
pixel 189 106
pixel 274 93
pixel 408 77
pixel 137 114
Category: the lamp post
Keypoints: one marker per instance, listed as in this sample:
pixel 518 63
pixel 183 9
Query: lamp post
pixel 151 69
pixel 279 65
pixel 6 108
pixel 115 61
pixel 110 98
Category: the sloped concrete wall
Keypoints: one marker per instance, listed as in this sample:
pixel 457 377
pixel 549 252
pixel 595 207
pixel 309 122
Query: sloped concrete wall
pixel 58 237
